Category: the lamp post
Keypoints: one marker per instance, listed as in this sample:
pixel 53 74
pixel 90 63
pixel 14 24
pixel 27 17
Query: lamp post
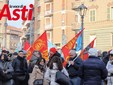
pixel 5 32
pixel 82 11
pixel 63 36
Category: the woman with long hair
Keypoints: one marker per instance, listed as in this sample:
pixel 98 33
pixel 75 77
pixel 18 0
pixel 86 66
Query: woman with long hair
pixel 54 66
pixel 35 56
pixel 38 71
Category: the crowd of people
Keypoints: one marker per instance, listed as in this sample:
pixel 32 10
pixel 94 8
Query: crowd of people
pixel 16 70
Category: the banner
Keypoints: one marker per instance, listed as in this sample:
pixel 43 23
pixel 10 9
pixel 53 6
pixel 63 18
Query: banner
pixel 26 45
pixel 84 52
pixel 40 45
pixel 70 45
pixel 79 43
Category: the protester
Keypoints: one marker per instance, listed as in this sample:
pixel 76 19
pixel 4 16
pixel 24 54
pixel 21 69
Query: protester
pixel 36 55
pixel 6 70
pixel 99 54
pixel 93 70
pixel 105 57
pixel 4 52
pixel 53 52
pixel 20 69
pixel 38 72
pixel 73 66
pixel 110 69
pixel 14 55
pixel 54 66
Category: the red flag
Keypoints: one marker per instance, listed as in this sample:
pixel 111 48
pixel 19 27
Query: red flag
pixel 70 45
pixel 26 45
pixel 41 45
pixel 29 53
pixel 84 52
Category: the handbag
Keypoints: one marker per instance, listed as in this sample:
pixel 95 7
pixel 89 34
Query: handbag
pixel 61 78
pixel 38 82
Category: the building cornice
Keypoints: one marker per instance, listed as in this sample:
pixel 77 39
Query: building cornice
pixel 110 4
pixel 99 24
pixel 93 6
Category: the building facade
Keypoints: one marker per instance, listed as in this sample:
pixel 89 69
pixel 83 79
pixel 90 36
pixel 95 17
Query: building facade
pixel 99 23
pixel 54 16
pixel 3 26
pixel 13 37
pixel 61 22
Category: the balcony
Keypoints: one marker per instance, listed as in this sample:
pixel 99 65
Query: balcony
pixel 48 13
pixel 48 27
pixel 75 26
pixel 48 1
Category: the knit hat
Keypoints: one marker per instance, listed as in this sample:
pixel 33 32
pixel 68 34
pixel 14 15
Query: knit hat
pixel 93 52
pixel 53 50
pixel 111 52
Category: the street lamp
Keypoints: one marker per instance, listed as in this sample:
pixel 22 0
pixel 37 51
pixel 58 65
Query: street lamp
pixel 5 32
pixel 82 11
pixel 63 36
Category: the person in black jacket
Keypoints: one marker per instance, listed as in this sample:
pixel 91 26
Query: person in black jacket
pixel 73 66
pixel 20 69
pixel 93 70
pixel 53 52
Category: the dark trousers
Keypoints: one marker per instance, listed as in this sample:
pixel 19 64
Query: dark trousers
pixel 18 82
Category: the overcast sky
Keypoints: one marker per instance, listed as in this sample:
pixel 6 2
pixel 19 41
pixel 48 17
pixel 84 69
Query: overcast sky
pixel 18 23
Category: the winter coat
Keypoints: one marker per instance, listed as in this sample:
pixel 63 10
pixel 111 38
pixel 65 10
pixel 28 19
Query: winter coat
pixel 9 69
pixel 110 73
pixel 51 73
pixel 73 70
pixel 93 71
pixel 37 74
pixel 20 67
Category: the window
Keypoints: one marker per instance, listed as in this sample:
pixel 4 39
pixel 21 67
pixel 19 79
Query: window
pixel 47 21
pixel 78 18
pixel 49 36
pixel 47 7
pixel 92 37
pixel 92 15
pixel 112 39
pixel 63 4
pixel 110 13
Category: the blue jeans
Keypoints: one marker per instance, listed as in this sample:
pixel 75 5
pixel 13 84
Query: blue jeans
pixel 75 81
